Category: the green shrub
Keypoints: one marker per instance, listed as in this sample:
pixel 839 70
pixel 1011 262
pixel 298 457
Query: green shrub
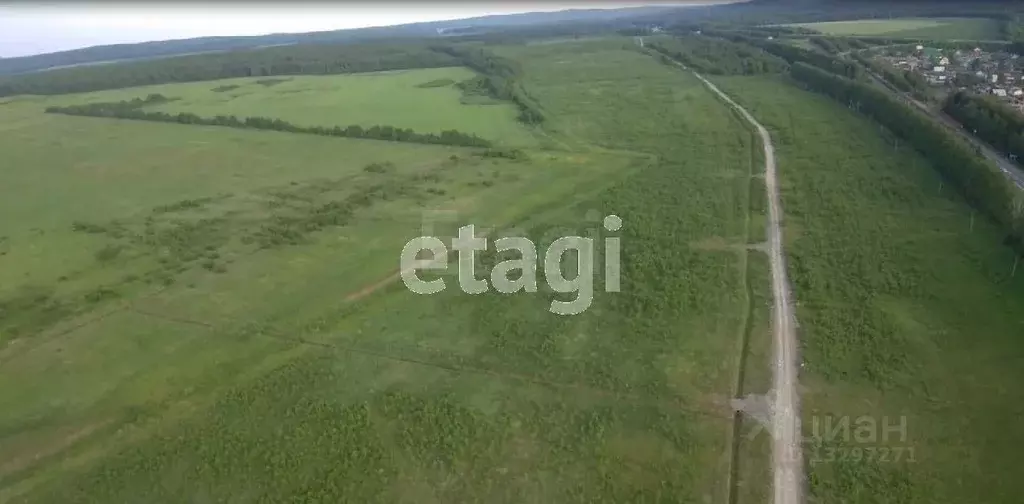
pixel 436 83
pixel 108 253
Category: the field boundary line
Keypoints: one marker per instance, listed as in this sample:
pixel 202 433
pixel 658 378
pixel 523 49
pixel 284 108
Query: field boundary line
pixel 88 318
pixel 711 411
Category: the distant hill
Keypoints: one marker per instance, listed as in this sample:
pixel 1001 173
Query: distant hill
pixel 148 50
pixel 741 12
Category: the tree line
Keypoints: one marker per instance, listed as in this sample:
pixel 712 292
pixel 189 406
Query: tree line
pixel 133 109
pixel 718 56
pixel 792 54
pixel 778 12
pixel 981 184
pixel 836 45
pixel 288 60
pixel 499 77
pixel 990 120
pixel 904 80
pixel 1011 27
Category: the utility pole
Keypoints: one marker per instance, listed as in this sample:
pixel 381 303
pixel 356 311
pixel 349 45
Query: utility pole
pixel 1018 213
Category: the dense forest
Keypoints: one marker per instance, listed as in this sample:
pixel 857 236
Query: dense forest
pixel 718 56
pixel 290 60
pixel 825 62
pixel 133 109
pixel 838 45
pixel 990 120
pixel 1012 27
pixel 791 53
pixel 499 77
pixel 981 184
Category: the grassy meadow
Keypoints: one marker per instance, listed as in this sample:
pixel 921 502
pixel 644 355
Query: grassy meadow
pixel 425 100
pixel 906 309
pixel 922 28
pixel 209 314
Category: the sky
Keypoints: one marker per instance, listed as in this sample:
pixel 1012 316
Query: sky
pixel 35 28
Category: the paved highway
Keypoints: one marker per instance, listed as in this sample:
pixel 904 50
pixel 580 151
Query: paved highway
pixel 1011 169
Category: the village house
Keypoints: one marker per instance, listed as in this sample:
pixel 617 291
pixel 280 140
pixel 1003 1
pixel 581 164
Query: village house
pixel 995 73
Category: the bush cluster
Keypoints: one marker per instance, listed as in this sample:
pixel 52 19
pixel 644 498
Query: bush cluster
pixel 718 56
pixel 499 78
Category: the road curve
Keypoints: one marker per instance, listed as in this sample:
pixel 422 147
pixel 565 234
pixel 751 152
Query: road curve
pixel 787 457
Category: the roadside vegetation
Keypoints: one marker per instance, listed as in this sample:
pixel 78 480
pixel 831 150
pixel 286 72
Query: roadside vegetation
pixel 837 45
pixel 875 241
pixel 793 54
pixel 717 56
pixel 907 81
pixel 980 183
pixel 992 121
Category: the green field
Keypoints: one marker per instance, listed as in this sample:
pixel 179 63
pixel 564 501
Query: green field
pixel 906 309
pixel 210 314
pixel 204 313
pixel 920 28
pixel 425 100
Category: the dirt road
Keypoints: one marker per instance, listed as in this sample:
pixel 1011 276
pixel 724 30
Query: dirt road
pixel 787 457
